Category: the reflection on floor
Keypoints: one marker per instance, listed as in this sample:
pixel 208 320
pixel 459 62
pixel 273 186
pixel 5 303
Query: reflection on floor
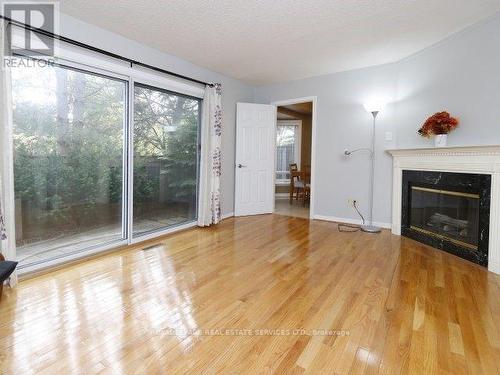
pixel 296 208
pixel 257 295
pixel 65 244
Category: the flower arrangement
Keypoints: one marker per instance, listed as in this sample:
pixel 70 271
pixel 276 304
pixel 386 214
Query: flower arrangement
pixel 438 124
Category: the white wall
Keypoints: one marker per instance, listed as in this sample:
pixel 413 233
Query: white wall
pixel 460 74
pixel 233 90
pixel 342 123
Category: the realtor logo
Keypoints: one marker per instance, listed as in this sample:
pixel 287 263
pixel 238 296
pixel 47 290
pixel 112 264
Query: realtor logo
pixel 21 41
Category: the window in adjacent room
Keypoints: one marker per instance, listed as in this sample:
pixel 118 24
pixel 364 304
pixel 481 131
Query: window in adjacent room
pixel 287 148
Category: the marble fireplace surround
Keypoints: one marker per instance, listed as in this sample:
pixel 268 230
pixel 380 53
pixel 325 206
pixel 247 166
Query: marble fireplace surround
pixel 470 159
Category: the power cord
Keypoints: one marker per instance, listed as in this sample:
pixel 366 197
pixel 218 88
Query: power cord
pixel 355 205
pixel 349 227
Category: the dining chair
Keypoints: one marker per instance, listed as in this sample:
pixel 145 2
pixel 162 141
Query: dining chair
pixel 297 183
pixel 306 193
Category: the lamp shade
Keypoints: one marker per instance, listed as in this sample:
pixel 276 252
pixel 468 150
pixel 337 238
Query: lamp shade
pixel 374 105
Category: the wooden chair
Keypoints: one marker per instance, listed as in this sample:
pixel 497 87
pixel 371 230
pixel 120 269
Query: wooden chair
pixel 295 183
pixel 306 193
pixel 293 168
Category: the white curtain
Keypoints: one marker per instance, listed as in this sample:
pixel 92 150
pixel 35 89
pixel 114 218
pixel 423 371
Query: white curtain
pixel 209 210
pixel 7 219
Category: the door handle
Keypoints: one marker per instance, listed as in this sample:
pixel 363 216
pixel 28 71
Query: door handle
pixel 241 166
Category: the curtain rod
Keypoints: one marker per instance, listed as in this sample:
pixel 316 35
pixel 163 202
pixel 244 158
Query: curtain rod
pixel 101 51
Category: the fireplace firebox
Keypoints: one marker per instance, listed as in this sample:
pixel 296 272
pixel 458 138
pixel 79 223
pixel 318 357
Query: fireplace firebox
pixel 449 211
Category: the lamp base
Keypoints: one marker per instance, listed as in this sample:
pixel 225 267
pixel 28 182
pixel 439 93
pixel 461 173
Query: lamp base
pixel 370 229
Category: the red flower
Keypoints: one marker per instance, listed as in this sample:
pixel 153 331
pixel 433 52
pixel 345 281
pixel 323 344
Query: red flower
pixel 439 123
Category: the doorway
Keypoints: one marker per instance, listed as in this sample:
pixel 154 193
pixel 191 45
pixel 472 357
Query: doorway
pixel 295 125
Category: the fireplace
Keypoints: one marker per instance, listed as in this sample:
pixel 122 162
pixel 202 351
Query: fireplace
pixel 469 169
pixel 449 211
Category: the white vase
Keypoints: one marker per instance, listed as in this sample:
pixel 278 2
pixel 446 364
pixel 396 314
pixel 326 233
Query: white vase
pixel 440 140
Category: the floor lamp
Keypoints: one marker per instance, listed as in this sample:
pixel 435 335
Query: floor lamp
pixel 374 108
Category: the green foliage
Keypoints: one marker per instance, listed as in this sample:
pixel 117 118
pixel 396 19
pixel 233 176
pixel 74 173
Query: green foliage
pixel 68 138
pixel 166 131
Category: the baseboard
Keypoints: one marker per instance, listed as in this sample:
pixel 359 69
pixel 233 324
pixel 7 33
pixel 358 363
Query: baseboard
pixel 350 221
pixel 494 266
pixel 331 218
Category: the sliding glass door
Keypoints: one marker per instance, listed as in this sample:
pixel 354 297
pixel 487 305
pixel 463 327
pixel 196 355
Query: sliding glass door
pixel 69 136
pixel 76 186
pixel 165 166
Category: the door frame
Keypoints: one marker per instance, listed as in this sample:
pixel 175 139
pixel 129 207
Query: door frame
pixel 314 100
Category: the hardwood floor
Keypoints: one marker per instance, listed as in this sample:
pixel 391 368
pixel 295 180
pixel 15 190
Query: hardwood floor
pixel 295 209
pixel 387 305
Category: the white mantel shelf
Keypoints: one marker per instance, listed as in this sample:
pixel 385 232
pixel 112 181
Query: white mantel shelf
pixel 457 150
pixel 464 159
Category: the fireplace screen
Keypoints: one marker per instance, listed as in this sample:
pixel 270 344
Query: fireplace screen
pixel 444 214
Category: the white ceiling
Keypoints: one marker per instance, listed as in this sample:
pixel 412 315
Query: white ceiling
pixel 266 41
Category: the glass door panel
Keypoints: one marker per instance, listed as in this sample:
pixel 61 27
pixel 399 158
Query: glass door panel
pixel 68 130
pixel 165 159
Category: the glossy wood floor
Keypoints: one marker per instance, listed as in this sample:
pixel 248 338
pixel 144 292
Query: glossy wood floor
pixel 294 209
pixel 403 307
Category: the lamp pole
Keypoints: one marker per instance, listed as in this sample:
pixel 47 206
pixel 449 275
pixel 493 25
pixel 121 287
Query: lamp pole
pixel 370 228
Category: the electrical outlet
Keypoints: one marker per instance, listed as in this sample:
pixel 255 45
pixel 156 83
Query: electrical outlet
pixel 351 202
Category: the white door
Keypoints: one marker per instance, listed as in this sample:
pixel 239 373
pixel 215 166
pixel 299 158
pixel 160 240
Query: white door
pixel 255 143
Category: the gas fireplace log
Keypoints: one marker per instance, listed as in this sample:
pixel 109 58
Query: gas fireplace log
pixel 442 220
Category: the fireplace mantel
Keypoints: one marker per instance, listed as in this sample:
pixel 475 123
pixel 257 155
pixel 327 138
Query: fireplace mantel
pixel 468 159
